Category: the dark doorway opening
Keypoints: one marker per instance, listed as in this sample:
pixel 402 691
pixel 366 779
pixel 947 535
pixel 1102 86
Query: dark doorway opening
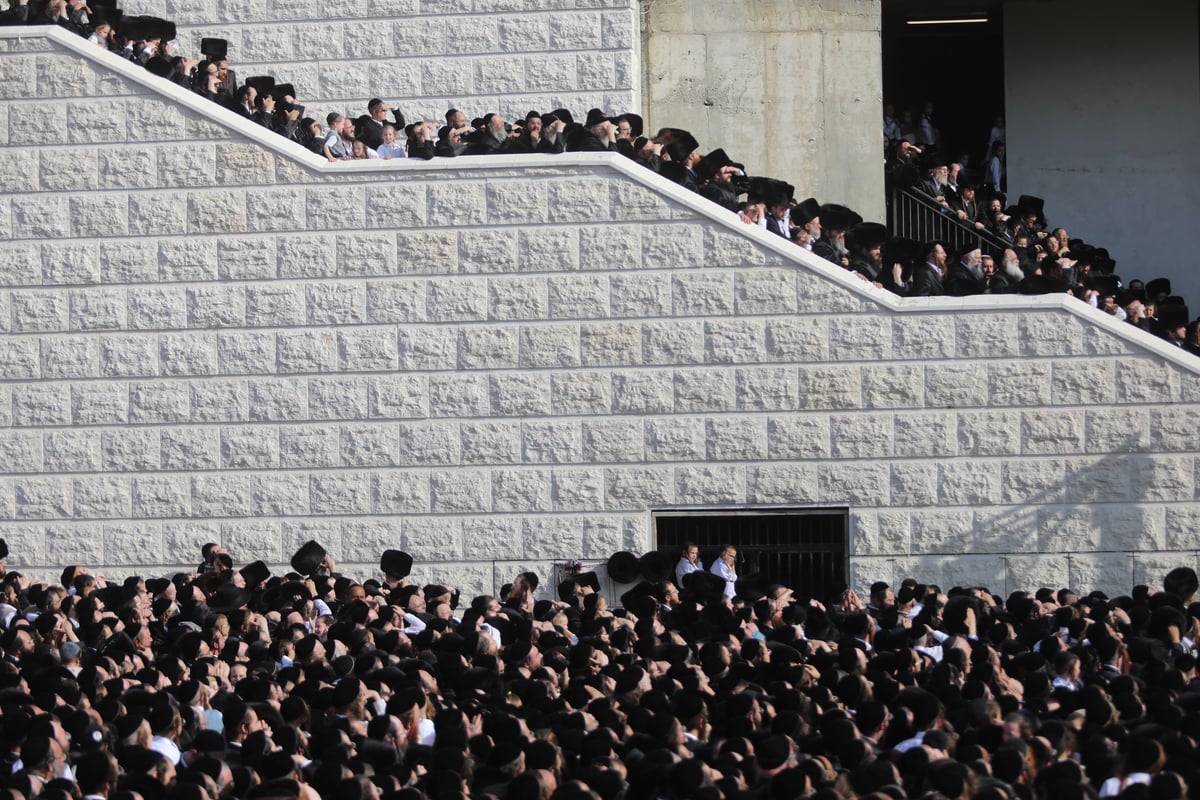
pixel 806 549
pixel 959 67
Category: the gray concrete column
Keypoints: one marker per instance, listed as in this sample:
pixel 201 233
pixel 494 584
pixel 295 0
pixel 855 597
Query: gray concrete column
pixel 790 87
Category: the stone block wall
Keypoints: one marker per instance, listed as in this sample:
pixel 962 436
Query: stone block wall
pixel 426 55
pixel 495 363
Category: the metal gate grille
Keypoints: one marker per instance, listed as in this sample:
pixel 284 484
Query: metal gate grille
pixel 805 549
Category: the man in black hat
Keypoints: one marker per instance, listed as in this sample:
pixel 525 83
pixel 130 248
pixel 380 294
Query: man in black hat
pixel 936 181
pixel 966 276
pixel 967 208
pixel 597 135
pixel 927 278
pixel 866 243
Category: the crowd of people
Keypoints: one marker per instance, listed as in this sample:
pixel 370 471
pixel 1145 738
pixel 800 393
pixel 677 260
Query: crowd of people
pixel 231 682
pixel 1023 254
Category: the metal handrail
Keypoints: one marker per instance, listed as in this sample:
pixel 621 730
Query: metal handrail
pixel 912 215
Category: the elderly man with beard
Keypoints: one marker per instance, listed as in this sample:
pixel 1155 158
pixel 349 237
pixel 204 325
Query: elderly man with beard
pixel 491 138
pixel 598 134
pixel 835 221
pixel 966 276
pixel 935 185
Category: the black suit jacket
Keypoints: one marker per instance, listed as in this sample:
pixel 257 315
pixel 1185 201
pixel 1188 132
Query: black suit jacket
pixel 927 282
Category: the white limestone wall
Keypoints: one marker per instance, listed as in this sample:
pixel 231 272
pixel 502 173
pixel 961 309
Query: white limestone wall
pixel 506 362
pixel 426 55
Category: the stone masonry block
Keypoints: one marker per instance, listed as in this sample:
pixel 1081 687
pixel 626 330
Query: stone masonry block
pixel 1139 382
pixel 338 397
pixel 892 387
pixel 829 387
pixel 219 401
pixel 783 484
pixel 641 295
pixel 674 245
pixel 797 339
pixel 706 485
pixel 861 435
pixel 99 403
pixel 914 483
pixel 610 344
pixel 1052 432
pixel 157 307
pixel 637 489
pixel 767 389
pixel 400 492
pixel 130 449
pixel 1024 383
pixel 643 392
pixel 858 484
pixel 491 442
pixel 612 441
pixel 97 309
pixel 925 435
pixel 735 341
pixel 1118 430
pixel 519 394
pixel 259 447
pixel 429 444
pixel 458 396
pixel 956 386
pixel 574 393
pixel 673 342
pixel 736 438
pixel 675 439
pixel 702 293
pixel 340 493
pixel 371 445
pixel 460 491
pixel 698 390
pixel 1082 382
pixel 987 335
pixel 578 490
pixel 72 451
pixel 549 346
pixel 190 448
pixel 551 442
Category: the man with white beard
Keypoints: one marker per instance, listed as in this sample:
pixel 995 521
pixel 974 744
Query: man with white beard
pixel 935 185
pixel 835 221
pixel 966 276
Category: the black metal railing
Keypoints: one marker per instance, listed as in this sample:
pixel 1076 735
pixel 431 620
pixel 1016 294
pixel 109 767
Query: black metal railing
pixel 806 549
pixel 913 215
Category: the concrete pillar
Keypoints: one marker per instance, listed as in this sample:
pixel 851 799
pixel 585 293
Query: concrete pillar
pixel 1103 114
pixel 792 88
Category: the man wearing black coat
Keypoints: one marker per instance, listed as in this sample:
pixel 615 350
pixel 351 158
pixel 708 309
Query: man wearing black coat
pixel 927 278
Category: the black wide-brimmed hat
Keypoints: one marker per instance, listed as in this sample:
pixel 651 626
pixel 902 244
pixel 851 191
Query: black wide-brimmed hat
pixel 396 564
pixel 623 567
pixel 308 558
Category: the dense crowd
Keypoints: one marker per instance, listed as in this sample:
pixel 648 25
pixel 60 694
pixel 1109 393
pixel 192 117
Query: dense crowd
pixel 695 683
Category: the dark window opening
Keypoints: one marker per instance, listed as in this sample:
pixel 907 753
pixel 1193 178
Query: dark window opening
pixel 805 549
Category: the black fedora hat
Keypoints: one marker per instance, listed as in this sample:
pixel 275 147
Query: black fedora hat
pixel 308 558
pixel 254 573
pixel 655 566
pixel 395 564
pixel 228 598
pixel 623 567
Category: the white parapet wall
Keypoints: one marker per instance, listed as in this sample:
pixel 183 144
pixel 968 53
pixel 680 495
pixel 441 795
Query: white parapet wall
pixel 493 363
